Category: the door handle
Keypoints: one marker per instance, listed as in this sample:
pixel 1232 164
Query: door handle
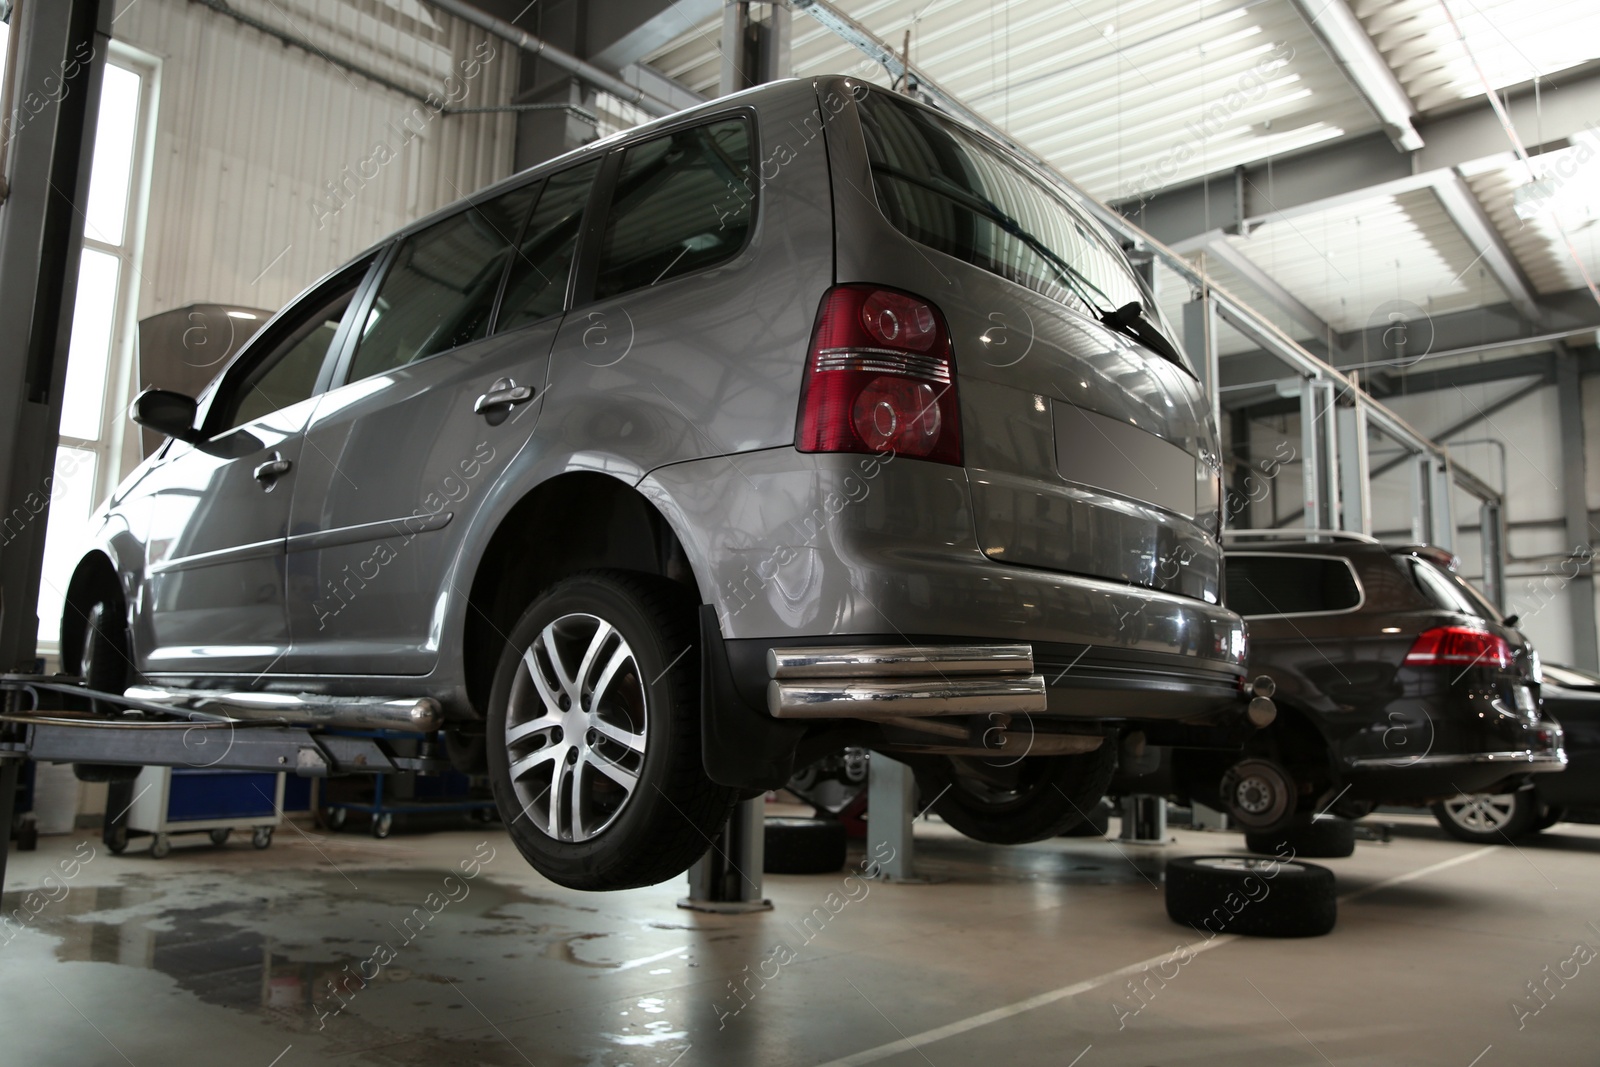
pixel 502 396
pixel 269 472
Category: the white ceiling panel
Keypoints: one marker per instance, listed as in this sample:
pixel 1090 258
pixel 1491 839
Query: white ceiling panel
pixel 1361 264
pixel 1514 41
pixel 1124 96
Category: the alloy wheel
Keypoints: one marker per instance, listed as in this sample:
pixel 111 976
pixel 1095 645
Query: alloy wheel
pixel 576 728
pixel 1483 813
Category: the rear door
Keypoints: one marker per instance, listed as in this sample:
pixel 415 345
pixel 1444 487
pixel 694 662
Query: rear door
pixel 1087 451
pixel 431 407
pixel 219 515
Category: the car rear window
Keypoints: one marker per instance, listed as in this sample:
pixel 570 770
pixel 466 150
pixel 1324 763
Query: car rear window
pixel 1290 585
pixel 945 188
pixel 1446 589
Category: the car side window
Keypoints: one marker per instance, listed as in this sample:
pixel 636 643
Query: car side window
pixel 682 202
pixel 287 373
pixel 1289 585
pixel 440 288
pixel 536 288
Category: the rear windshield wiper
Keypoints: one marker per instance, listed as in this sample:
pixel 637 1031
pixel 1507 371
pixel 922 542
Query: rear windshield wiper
pixel 1128 319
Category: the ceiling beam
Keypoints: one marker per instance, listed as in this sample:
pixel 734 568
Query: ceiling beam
pixel 1479 230
pixel 1344 38
pixel 622 32
pixel 1217 245
pixel 1357 169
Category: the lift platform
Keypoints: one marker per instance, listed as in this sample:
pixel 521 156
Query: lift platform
pixel 42 720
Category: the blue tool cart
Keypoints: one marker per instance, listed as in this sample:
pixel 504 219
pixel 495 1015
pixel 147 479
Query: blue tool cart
pixel 187 800
pixel 406 794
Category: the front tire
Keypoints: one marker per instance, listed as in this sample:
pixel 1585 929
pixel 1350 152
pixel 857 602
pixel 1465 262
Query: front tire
pixel 1490 818
pixel 594 734
pixel 1024 800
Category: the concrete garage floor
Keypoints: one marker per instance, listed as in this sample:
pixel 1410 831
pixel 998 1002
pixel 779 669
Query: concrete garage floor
pixel 227 955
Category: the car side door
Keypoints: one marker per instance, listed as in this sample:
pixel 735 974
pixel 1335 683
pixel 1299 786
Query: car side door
pixel 213 600
pixel 444 384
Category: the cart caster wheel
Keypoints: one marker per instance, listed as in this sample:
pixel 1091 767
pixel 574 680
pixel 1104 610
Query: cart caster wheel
pixel 382 825
pixel 219 836
pixel 336 818
pixel 261 838
pixel 117 840
pixel 28 838
pixel 160 846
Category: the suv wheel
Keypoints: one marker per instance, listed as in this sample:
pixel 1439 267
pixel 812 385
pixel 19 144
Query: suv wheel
pixel 1026 800
pixel 104 663
pixel 594 734
pixel 1490 818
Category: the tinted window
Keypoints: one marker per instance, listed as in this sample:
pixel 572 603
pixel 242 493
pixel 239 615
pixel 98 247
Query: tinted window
pixel 1289 585
pixel 1447 590
pixel 537 285
pixel 945 188
pixel 682 202
pixel 440 289
pixel 288 373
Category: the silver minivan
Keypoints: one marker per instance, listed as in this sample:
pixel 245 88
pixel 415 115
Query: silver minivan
pixel 806 417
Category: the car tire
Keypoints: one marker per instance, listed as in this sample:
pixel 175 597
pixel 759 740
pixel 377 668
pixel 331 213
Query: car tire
pixel 1251 896
pixel 1324 838
pixel 105 665
pixel 803 846
pixel 1098 824
pixel 1020 800
pixel 1551 816
pixel 636 638
pixel 1490 818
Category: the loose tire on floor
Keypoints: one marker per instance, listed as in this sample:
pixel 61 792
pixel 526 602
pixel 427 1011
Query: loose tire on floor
pixel 1251 896
pixel 1490 818
pixel 1011 802
pixel 594 734
pixel 1324 838
pixel 803 846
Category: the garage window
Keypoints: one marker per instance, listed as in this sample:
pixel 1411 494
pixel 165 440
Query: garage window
pixel 1290 585
pixel 100 351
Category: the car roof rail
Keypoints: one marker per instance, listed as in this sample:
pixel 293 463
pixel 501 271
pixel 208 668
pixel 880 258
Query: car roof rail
pixel 1298 535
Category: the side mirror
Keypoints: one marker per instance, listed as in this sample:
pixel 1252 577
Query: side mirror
pixel 165 412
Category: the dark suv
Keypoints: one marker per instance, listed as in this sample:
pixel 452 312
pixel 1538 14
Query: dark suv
pixel 1397 682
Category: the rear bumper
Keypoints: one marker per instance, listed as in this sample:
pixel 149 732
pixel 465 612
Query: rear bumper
pixel 1435 775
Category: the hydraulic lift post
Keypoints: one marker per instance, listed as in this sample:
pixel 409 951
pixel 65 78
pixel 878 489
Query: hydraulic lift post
pixel 47 147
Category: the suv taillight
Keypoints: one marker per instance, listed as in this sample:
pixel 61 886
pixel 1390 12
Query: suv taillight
pixel 879 378
pixel 1458 646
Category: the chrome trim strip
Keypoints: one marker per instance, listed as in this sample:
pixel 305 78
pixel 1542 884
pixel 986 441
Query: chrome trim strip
pixel 407 526
pixel 421 714
pixel 232 554
pixel 1543 759
pixel 909 698
pixel 875 661
pixel 884 360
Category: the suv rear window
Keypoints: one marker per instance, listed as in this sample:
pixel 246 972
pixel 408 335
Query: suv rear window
pixel 1446 589
pixel 945 188
pixel 1290 585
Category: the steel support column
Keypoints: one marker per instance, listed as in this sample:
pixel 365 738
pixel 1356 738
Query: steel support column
pixel 1319 460
pixel 891 805
pixel 1441 505
pixel 728 878
pixel 754 51
pixel 1492 542
pixel 1569 393
pixel 1355 490
pixel 1200 341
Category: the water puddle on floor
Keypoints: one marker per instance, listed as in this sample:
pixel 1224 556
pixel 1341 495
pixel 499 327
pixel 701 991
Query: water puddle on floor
pixel 305 952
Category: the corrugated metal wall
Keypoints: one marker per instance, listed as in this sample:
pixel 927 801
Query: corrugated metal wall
pixel 273 165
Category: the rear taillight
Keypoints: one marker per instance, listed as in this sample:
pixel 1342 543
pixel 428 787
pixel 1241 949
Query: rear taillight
pixel 1458 646
pixel 879 378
